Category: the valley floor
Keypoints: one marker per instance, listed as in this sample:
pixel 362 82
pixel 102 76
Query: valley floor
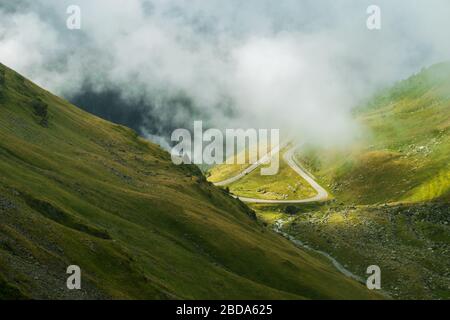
pixel 410 243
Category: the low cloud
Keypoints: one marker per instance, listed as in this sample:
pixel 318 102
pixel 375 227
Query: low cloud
pixel 298 66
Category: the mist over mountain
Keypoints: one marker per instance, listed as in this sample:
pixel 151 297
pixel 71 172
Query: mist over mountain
pixel 159 65
pixel 354 205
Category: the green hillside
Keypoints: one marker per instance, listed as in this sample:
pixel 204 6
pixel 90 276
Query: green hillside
pixel 390 190
pixel 404 154
pixel 75 189
pixel 410 243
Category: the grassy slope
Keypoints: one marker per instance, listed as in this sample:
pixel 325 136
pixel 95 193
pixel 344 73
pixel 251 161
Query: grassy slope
pixel 406 154
pixel 405 158
pixel 410 243
pixel 75 189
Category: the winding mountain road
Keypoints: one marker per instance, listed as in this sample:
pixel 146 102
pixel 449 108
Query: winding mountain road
pixel 321 195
